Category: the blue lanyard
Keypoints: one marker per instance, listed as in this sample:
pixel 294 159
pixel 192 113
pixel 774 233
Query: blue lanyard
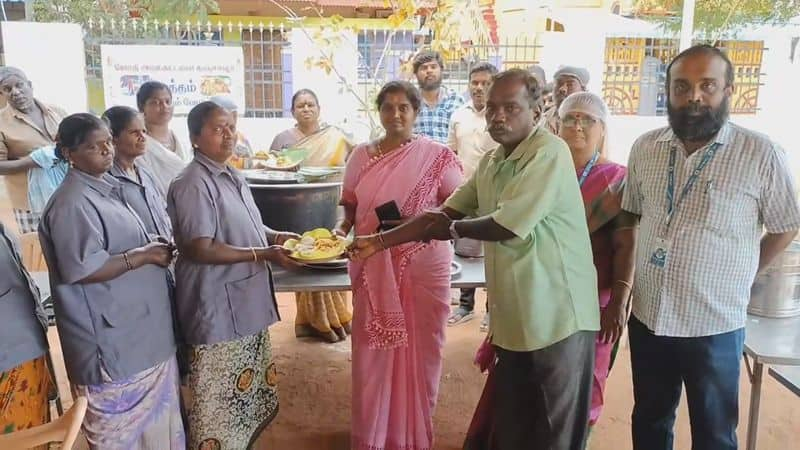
pixel 672 205
pixel 588 168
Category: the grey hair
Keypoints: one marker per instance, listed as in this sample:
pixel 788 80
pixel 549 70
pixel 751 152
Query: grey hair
pixel 9 71
pixel 225 102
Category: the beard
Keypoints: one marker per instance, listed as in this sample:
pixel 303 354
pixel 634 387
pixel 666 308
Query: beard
pixel 433 85
pixel 696 123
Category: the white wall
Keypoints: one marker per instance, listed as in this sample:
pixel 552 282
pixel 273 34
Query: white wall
pixel 52 56
pixel 623 131
pixel 335 102
pixel 583 48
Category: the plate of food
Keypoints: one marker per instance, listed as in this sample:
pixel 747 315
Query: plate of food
pixel 316 246
pixel 288 159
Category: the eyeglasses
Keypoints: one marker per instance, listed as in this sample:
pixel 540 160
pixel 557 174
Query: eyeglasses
pixel 571 122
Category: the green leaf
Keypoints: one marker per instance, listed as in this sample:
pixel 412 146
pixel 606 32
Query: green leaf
pixel 715 18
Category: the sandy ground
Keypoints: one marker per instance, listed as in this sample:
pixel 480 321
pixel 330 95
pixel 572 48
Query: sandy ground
pixel 315 392
pixel 315 397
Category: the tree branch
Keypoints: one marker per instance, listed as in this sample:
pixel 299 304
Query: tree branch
pixel 336 72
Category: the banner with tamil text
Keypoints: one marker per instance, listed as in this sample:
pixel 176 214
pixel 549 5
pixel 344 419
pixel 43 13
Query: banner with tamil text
pixel 193 73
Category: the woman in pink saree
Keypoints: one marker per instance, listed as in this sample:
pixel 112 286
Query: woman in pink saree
pixel 400 296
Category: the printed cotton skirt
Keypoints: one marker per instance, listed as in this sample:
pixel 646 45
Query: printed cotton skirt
pixel 23 396
pixel 233 392
pixel 142 412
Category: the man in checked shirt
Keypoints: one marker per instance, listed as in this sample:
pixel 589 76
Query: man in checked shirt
pixel 438 102
pixel 715 204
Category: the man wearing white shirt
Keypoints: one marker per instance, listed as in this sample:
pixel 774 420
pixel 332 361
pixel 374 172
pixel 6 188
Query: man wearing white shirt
pixel 467 136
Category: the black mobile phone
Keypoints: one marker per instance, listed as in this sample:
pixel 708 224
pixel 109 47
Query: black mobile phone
pixel 388 211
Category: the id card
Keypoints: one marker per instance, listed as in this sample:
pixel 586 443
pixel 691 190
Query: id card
pixel 660 252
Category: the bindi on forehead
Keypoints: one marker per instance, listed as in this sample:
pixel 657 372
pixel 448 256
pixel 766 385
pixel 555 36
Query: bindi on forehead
pixel 576 115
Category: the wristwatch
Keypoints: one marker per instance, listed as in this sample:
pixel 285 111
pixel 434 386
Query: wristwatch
pixel 453 232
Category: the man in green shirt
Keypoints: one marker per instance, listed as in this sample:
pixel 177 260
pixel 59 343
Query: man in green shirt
pixel 540 276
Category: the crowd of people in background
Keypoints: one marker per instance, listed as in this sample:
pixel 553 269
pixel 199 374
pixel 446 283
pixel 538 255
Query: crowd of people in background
pixel 160 265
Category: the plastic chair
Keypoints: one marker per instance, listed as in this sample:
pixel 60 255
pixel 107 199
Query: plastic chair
pixel 32 256
pixel 64 429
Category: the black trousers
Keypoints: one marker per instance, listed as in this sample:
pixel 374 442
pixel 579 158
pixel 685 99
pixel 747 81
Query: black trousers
pixel 542 398
pixel 467 300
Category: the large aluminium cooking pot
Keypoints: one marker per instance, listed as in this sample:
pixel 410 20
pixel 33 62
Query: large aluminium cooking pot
pixel 297 207
pixel 776 290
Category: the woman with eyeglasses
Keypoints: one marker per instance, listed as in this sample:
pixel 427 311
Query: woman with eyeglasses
pixel 111 295
pixel 584 119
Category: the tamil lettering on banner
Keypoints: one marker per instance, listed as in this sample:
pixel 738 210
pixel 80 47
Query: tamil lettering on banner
pixel 193 74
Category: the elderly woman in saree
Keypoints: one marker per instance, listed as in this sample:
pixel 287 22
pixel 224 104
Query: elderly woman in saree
pixel 111 296
pixel 165 156
pixel 584 118
pixel 225 295
pixel 323 314
pixel 328 144
pixel 400 296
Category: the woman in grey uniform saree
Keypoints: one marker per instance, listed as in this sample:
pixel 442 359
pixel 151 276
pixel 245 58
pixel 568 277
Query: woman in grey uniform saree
pixel 225 297
pixel 111 296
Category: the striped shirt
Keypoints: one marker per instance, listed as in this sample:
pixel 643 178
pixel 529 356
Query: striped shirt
pixel 434 121
pixel 713 243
